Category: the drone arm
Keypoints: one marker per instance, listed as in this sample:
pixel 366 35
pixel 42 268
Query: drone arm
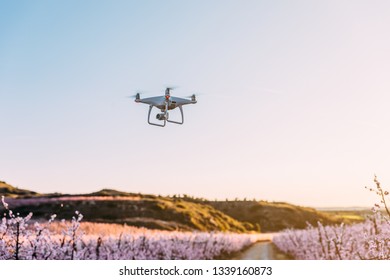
pixel 151 123
pixel 182 117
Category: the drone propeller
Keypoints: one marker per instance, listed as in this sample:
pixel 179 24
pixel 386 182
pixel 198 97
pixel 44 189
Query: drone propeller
pixel 137 96
pixel 168 91
pixel 189 96
pixel 192 96
pixel 171 87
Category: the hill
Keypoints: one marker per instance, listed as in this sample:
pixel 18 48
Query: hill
pixel 146 211
pixel 274 216
pixel 11 191
pixel 169 213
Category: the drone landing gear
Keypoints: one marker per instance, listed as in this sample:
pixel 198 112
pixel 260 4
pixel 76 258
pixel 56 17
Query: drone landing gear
pixel 164 116
pixel 182 117
pixel 156 124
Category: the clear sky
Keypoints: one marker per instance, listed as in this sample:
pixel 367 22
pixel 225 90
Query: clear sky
pixel 294 102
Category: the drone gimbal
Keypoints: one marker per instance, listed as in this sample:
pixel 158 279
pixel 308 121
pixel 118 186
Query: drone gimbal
pixel 164 116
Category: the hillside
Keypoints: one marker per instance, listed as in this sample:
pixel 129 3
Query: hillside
pixel 11 191
pixel 147 211
pixel 274 216
pixel 169 213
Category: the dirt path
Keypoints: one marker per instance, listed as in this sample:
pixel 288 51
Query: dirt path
pixel 261 251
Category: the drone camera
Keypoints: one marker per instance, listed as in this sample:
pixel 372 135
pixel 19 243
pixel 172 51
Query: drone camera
pixel 161 117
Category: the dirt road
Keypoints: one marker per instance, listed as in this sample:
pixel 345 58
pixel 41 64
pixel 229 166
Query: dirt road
pixel 261 251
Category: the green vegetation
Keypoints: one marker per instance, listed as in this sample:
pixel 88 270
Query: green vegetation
pixel 171 213
pixel 110 192
pixel 350 216
pixel 274 216
pixel 150 212
pixel 10 191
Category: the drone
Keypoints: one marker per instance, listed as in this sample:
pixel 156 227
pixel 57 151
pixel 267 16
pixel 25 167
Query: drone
pixel 165 103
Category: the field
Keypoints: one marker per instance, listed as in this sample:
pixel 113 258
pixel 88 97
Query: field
pixel 177 212
pixel 365 241
pixel 365 235
pixel 21 238
pixel 368 240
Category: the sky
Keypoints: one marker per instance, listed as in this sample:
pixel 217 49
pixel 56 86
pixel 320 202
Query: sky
pixel 293 98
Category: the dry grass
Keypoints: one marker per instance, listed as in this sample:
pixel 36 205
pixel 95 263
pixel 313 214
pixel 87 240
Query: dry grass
pixel 102 229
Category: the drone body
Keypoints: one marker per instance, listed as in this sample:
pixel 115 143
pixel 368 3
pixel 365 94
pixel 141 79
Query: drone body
pixel 165 103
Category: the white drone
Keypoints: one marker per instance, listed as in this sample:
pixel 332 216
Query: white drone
pixel 165 103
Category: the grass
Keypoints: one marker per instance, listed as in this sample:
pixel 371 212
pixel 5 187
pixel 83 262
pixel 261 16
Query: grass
pixel 172 213
pixel 274 216
pixel 11 191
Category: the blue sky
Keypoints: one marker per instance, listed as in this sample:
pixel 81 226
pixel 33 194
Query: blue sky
pixel 293 102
